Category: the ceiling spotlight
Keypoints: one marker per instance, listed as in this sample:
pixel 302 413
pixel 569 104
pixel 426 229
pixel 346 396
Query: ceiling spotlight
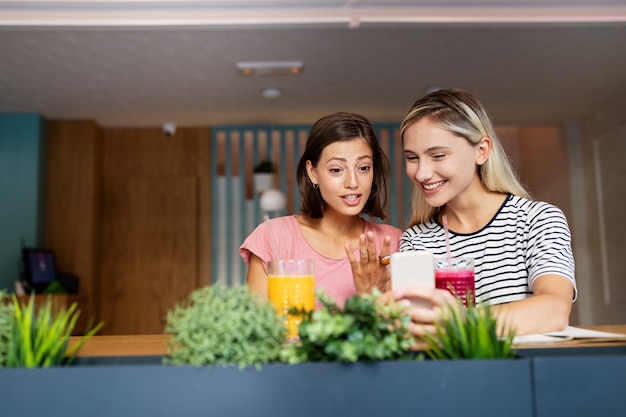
pixel 169 129
pixel 271 93
pixel 270 67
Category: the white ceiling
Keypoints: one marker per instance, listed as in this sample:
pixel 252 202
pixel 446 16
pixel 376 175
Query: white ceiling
pixel 138 63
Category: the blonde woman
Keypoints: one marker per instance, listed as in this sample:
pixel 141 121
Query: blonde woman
pixel 524 265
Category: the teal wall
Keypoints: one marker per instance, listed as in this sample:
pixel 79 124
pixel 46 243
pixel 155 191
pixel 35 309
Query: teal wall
pixel 21 190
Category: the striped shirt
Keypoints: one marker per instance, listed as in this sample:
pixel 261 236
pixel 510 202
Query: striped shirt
pixel 524 240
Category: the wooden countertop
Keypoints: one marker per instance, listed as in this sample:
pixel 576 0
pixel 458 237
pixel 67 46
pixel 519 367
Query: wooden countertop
pixel 124 345
pixel 156 344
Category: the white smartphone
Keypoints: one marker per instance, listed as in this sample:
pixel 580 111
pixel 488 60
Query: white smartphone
pixel 413 269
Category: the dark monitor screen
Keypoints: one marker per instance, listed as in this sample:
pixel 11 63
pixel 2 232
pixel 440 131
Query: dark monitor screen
pixel 39 266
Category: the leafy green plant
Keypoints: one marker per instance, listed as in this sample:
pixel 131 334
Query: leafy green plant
pixel 6 322
pixel 221 326
pixel 363 330
pixel 265 166
pixel 54 287
pixel 469 333
pixel 40 338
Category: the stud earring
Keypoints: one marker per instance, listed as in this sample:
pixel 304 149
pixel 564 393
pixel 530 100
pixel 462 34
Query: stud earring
pixel 316 186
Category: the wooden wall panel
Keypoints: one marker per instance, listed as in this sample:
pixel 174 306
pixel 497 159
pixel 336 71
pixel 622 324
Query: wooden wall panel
pixel 148 251
pixel 149 152
pixel 156 228
pixel 544 165
pixel 539 155
pixel 204 192
pixel 72 203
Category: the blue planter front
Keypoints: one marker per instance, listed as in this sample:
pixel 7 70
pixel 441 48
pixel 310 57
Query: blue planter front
pixel 442 388
pixel 585 385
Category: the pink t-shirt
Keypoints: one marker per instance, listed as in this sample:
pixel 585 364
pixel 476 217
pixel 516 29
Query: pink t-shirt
pixel 332 275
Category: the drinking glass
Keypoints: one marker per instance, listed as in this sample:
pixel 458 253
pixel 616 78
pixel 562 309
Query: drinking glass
pixel 291 283
pixel 457 276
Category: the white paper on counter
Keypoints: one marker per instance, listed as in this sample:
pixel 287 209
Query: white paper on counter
pixel 570 333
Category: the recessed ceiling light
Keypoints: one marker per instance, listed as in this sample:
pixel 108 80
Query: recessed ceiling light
pixel 270 67
pixel 271 92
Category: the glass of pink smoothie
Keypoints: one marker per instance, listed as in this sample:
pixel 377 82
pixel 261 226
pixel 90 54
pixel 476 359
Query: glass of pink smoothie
pixel 457 276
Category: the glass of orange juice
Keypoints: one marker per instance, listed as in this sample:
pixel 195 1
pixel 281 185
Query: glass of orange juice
pixel 290 283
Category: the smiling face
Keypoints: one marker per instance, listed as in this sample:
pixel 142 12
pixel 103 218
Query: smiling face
pixel 344 172
pixel 441 164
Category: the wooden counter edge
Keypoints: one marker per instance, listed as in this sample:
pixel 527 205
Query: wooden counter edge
pixel 156 344
pixel 123 345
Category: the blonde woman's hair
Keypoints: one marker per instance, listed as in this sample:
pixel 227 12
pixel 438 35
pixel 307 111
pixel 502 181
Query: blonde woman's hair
pixel 461 113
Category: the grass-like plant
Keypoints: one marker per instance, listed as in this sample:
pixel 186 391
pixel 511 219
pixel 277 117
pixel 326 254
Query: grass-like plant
pixel 363 330
pixel 40 337
pixel 223 326
pixel 469 333
pixel 6 321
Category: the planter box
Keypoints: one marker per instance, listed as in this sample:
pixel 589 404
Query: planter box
pixel 586 385
pixel 442 388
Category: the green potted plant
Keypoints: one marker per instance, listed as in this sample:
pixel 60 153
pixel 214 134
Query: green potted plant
pixel 469 333
pixel 264 166
pixel 263 175
pixel 223 326
pixel 40 337
pixel 363 330
pixel 6 321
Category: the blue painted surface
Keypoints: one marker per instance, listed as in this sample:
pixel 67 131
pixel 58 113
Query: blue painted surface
pixel 21 190
pixel 589 385
pixel 542 382
pixel 497 388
